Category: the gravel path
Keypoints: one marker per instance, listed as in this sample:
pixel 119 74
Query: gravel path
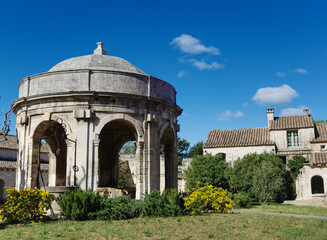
pixel 278 214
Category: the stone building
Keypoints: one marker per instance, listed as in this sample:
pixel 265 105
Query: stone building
pixel 286 137
pixel 85 108
pixel 8 163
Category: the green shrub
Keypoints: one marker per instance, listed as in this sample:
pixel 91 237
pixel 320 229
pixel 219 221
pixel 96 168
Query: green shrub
pixel 206 169
pixel 170 196
pixel 122 207
pixel 26 205
pixel 208 198
pixel 242 200
pixel 76 204
pixel 156 205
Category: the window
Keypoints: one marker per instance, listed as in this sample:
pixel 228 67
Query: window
pixel 323 147
pixel 292 139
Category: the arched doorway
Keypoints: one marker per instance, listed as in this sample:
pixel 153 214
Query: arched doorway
pixel 53 134
pixel 2 191
pixel 169 156
pixel 112 137
pixel 317 185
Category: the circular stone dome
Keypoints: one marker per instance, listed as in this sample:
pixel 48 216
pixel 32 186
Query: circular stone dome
pixel 97 62
pixel 96 73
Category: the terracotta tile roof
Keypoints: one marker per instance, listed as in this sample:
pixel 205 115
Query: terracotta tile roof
pixel 10 142
pixel 238 137
pixel 321 132
pixel 319 158
pixel 291 122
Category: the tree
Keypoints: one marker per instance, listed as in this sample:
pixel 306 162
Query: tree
pixel 206 169
pixel 197 149
pixel 320 121
pixel 247 175
pixel 267 182
pixel 128 148
pixel 183 147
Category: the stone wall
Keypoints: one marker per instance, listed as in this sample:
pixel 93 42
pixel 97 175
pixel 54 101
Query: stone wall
pixel 234 153
pixel 280 138
pixel 7 179
pixel 303 183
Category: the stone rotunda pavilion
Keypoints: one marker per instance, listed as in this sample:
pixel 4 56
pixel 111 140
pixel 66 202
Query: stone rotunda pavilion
pixel 85 108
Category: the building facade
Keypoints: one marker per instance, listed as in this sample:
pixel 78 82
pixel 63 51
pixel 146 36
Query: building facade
pixel 286 137
pixel 8 163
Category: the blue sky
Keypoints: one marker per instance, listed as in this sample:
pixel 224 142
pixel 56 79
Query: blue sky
pixel 228 60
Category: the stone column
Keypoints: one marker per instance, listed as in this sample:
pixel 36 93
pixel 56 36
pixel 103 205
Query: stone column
pixel 139 160
pixel 29 165
pixel 153 159
pixel 82 153
pixel 70 160
pixel 95 163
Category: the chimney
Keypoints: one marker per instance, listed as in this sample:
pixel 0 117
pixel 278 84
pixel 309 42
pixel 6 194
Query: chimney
pixel 306 111
pixel 100 50
pixel 270 115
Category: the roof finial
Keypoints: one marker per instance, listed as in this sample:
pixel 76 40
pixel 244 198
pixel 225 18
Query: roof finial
pixel 100 50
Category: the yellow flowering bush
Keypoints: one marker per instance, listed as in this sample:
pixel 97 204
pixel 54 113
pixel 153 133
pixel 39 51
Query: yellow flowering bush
pixel 26 205
pixel 208 198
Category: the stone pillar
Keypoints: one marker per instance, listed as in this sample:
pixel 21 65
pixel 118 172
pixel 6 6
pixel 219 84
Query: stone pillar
pixel 153 158
pixel 140 169
pixel 21 155
pixel 52 174
pixel 82 154
pixel 95 163
pixel 29 165
pixel 70 161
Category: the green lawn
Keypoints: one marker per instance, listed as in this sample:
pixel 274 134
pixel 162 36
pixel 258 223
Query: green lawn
pixel 213 226
pixel 293 209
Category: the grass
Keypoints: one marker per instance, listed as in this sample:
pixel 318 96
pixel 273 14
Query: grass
pixel 292 209
pixel 212 226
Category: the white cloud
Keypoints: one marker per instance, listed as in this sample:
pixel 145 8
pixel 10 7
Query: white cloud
pixel 202 65
pixel 245 104
pixel 301 71
pixel 280 74
pixel 227 115
pixel 188 44
pixel 181 74
pixel 275 95
pixel 293 111
pixel 297 70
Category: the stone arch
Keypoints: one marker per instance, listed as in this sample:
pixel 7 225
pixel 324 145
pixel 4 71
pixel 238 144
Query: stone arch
pixel 317 185
pixel 113 136
pixel 2 190
pixel 169 156
pixel 62 121
pixel 54 135
pixel 137 124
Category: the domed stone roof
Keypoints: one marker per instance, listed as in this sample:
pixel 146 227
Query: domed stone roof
pixel 97 61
